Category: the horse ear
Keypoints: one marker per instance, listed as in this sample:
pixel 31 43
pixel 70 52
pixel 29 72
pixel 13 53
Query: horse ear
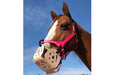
pixel 66 10
pixel 53 15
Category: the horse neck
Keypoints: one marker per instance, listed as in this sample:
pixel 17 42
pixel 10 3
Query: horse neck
pixel 84 46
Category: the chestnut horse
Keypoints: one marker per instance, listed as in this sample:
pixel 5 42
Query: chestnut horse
pixel 61 28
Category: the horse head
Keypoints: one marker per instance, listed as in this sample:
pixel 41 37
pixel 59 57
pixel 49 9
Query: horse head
pixel 60 40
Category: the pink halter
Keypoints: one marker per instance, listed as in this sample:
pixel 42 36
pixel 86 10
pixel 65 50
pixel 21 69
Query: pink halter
pixel 62 43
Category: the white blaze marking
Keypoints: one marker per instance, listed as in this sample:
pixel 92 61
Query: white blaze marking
pixel 49 36
pixel 52 33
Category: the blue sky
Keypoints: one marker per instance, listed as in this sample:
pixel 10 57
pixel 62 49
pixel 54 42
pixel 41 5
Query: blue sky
pixel 37 21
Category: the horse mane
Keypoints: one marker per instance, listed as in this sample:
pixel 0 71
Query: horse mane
pixel 81 51
pixel 78 36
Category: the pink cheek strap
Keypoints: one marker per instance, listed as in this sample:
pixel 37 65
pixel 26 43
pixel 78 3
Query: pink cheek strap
pixel 60 43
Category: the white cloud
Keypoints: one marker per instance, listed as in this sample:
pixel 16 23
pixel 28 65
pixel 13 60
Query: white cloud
pixel 34 13
pixel 32 73
pixel 72 71
pixel 28 55
pixel 35 17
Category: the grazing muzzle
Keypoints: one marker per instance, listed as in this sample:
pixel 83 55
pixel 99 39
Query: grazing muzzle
pixel 49 60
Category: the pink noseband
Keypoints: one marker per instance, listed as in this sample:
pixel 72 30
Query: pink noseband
pixel 62 43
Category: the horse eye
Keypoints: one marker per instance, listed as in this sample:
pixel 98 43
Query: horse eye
pixel 62 26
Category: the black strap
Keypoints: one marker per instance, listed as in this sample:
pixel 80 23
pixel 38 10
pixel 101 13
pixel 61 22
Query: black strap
pixel 78 36
pixel 75 26
pixel 59 49
pixel 40 42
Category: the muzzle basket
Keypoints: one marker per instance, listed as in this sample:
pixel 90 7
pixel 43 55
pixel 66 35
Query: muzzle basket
pixel 47 60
